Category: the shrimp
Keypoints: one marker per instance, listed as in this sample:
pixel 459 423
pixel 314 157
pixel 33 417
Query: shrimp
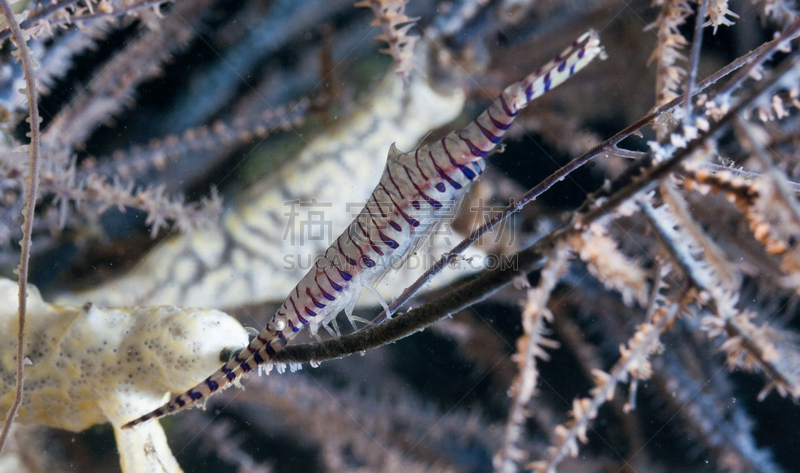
pixel 407 203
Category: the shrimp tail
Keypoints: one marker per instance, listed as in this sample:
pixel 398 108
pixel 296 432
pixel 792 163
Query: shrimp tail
pixel 261 349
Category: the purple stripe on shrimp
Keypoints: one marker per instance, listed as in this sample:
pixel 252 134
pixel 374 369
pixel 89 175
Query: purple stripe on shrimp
pixel 474 149
pixel 294 306
pixel 391 178
pixel 368 262
pixel 314 299
pixel 444 175
pixel 333 284
pixel 408 219
pixel 375 199
pixel 323 291
pixel 374 247
pixel 349 260
pixel 488 134
pixel 416 161
pixel 497 123
pixel 325 294
pixel 411 221
pixel 364 258
pixel 467 171
pixel 435 203
pixel 505 107
pixel 389 242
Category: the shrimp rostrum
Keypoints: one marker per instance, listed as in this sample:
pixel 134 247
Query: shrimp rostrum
pixel 411 198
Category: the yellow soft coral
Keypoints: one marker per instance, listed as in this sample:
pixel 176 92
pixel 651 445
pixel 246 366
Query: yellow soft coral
pixel 92 365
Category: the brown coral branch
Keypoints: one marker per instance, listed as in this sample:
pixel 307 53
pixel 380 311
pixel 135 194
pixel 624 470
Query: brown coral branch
pixel 23 54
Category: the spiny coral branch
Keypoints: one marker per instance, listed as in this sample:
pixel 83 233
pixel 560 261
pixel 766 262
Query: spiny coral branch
pixel 220 134
pixel 108 91
pixel 31 23
pixel 724 271
pixel 752 347
pixel 41 22
pixel 743 337
pixel 718 13
pixel 392 18
pixel 779 12
pixel 530 346
pixel 152 200
pixel 633 363
pixel 609 265
pixel 95 194
pixel 109 12
pixel 23 54
pixel 667 54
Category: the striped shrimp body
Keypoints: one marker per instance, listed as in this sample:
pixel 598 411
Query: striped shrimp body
pixel 415 193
